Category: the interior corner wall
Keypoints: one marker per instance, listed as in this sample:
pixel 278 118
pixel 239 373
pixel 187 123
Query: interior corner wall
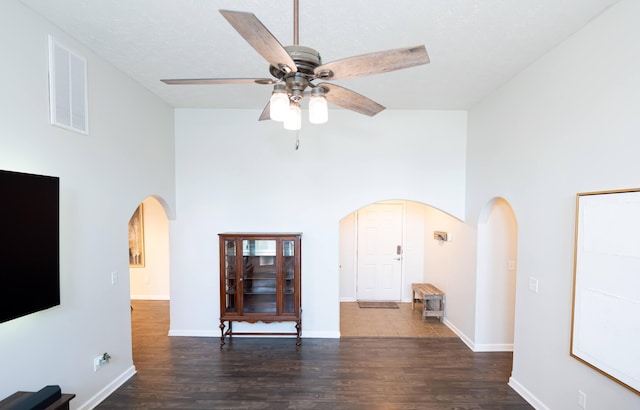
pixel 569 123
pixel 449 265
pixel 234 173
pixel 127 156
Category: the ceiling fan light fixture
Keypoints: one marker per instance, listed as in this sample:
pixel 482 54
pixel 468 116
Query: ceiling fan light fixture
pixel 318 110
pixel 295 67
pixel 279 103
pixel 293 121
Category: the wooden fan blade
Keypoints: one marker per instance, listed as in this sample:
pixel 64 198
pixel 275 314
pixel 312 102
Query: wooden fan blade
pixel 220 81
pixel 266 113
pixel 373 63
pixel 261 39
pixel 350 100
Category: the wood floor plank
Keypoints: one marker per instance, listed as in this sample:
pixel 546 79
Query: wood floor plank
pixel 271 373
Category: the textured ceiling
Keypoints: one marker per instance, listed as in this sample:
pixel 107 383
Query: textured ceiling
pixel 474 45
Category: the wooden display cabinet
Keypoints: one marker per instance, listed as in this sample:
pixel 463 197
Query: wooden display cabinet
pixel 260 281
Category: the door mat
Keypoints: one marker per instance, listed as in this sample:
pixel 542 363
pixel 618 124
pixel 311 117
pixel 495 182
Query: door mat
pixel 378 305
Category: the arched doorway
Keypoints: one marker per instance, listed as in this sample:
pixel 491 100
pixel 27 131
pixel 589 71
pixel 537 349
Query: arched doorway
pixel 149 274
pixel 149 277
pixel 423 258
pixel 496 277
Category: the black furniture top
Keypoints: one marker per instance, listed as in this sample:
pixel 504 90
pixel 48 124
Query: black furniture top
pixel 47 398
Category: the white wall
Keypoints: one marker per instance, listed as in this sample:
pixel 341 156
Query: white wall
pixel 234 173
pixel 567 124
pixel 103 176
pixel 152 280
pixel 348 258
pixel 413 247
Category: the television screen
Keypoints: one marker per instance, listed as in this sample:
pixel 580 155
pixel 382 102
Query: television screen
pixel 29 244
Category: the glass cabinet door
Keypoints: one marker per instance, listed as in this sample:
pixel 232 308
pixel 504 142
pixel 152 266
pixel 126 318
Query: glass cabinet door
pixel 231 302
pixel 259 275
pixel 288 254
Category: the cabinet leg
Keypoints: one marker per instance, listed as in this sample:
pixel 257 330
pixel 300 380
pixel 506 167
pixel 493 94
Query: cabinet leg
pixel 299 331
pixel 221 333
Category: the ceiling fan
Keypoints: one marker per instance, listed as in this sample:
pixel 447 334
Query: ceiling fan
pixel 295 68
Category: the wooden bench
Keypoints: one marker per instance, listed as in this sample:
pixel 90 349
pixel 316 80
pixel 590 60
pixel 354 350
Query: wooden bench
pixel 432 298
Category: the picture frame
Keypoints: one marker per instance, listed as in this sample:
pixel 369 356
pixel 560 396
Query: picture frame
pixel 136 238
pixel 605 331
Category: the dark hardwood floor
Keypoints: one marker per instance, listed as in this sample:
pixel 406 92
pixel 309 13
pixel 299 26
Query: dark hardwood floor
pixel 271 373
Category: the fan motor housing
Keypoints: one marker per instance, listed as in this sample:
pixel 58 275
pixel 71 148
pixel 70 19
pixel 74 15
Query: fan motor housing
pixel 306 59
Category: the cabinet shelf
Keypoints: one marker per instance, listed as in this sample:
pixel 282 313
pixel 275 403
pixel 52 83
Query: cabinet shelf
pixel 260 280
pixel 259 291
pixel 264 276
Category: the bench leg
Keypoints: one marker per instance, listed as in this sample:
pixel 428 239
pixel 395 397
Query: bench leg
pixel 442 305
pixel 425 307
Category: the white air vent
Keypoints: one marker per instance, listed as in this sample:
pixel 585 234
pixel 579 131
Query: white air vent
pixel 67 88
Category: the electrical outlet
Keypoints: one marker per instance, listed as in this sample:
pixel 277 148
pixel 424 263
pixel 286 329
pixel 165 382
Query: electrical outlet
pixel 582 399
pixel 114 277
pixel 97 363
pixel 100 361
pixel 533 284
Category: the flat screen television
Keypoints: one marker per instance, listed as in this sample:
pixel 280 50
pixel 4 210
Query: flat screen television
pixel 29 243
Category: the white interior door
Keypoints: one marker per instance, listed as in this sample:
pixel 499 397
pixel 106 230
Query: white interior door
pixel 380 252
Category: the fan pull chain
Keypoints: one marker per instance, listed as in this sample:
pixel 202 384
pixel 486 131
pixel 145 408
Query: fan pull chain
pixel 297 140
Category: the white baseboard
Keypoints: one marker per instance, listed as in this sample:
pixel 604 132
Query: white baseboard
pixel 526 394
pixel 460 334
pixel 321 335
pixel 108 389
pixel 479 347
pixel 493 347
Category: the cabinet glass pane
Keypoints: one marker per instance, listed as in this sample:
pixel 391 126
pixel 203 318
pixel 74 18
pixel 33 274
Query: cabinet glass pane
pixel 259 275
pixel 259 247
pixel 288 254
pixel 230 275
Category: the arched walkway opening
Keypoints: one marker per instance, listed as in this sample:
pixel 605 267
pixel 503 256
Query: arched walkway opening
pixel 149 236
pixel 149 272
pixel 496 277
pixel 384 248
